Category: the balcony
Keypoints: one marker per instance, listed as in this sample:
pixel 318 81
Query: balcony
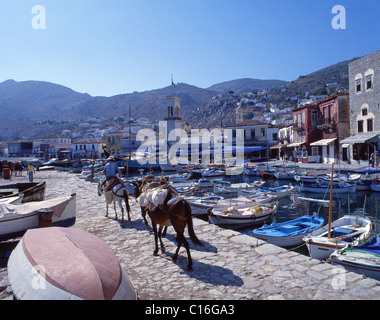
pixel 297 127
pixel 326 124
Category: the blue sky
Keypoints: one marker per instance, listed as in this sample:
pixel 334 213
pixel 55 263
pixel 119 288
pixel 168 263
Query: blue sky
pixel 120 46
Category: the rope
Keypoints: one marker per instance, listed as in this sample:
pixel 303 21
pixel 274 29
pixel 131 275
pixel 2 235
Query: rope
pixel 297 247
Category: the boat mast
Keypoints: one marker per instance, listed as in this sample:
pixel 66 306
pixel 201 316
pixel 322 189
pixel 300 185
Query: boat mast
pixel 330 206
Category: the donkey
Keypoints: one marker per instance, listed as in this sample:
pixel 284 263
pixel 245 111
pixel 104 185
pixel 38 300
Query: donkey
pixel 174 212
pixel 148 182
pixel 117 194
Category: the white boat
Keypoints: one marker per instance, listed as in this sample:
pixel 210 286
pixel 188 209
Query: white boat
pixel 276 193
pixel 213 173
pixel 202 205
pixel 181 177
pixel 15 219
pixel 362 258
pixel 242 216
pixel 306 178
pixel 66 264
pixel 205 183
pixel 344 231
pixel 323 188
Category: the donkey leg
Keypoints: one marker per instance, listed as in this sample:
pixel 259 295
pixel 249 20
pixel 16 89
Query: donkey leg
pixel 155 239
pixel 143 214
pixel 179 239
pixel 126 200
pixel 159 237
pixel 114 207
pixel 190 261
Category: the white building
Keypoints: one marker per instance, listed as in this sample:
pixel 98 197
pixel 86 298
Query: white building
pixel 88 148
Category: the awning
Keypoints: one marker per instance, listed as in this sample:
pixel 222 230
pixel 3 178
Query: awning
pixel 323 142
pixel 293 145
pixel 279 146
pixel 360 138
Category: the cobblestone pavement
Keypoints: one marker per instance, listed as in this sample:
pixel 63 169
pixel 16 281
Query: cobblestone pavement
pixel 229 265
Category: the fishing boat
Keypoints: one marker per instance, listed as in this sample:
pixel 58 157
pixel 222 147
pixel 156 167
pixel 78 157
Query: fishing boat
pixel 27 192
pixel 212 172
pixel 375 185
pixel 337 234
pixel 15 219
pixel 323 242
pixel 181 177
pixel 205 183
pixel 277 192
pixel 242 216
pixel 168 167
pixel 323 188
pixel 66 264
pixel 306 178
pixel 251 171
pixel 289 233
pixel 268 174
pixel 363 258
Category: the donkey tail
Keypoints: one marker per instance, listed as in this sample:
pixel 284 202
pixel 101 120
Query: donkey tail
pixel 190 226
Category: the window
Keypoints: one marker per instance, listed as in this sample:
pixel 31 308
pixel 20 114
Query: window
pixel 303 117
pixel 314 151
pixel 263 132
pixel 360 126
pixel 358 85
pixel 368 80
pixel 274 136
pixel 330 114
pixel 314 118
pixel 253 134
pixel 364 112
pixel 369 125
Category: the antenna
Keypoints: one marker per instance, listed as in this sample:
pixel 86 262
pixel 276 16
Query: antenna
pixel 173 85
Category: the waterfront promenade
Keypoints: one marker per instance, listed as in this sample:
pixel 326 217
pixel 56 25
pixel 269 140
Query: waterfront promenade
pixel 229 266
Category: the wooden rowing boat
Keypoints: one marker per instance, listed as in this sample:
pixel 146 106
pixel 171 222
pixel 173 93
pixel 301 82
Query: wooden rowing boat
pixel 66 264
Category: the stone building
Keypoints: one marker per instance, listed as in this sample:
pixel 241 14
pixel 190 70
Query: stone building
pixel 364 93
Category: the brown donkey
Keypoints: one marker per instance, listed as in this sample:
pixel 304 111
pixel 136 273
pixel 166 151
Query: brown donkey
pixel 174 212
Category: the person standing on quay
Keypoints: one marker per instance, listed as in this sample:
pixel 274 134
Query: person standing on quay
pixel 30 170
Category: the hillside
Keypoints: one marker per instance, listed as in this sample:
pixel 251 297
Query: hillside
pixel 245 85
pixel 222 110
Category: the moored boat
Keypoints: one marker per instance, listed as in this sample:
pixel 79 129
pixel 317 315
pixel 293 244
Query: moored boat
pixel 349 228
pixel 15 219
pixel 242 216
pixel 363 258
pixel 66 264
pixel 323 188
pixel 27 191
pixel 289 233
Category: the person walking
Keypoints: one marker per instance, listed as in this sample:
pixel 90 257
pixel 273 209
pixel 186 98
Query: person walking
pixel 30 170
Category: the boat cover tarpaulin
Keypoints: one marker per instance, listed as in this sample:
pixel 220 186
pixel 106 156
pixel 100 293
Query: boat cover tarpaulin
pixel 373 246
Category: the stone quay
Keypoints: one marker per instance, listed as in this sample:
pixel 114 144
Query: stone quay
pixel 229 266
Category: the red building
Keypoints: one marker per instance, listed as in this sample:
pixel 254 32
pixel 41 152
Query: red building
pixel 318 127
